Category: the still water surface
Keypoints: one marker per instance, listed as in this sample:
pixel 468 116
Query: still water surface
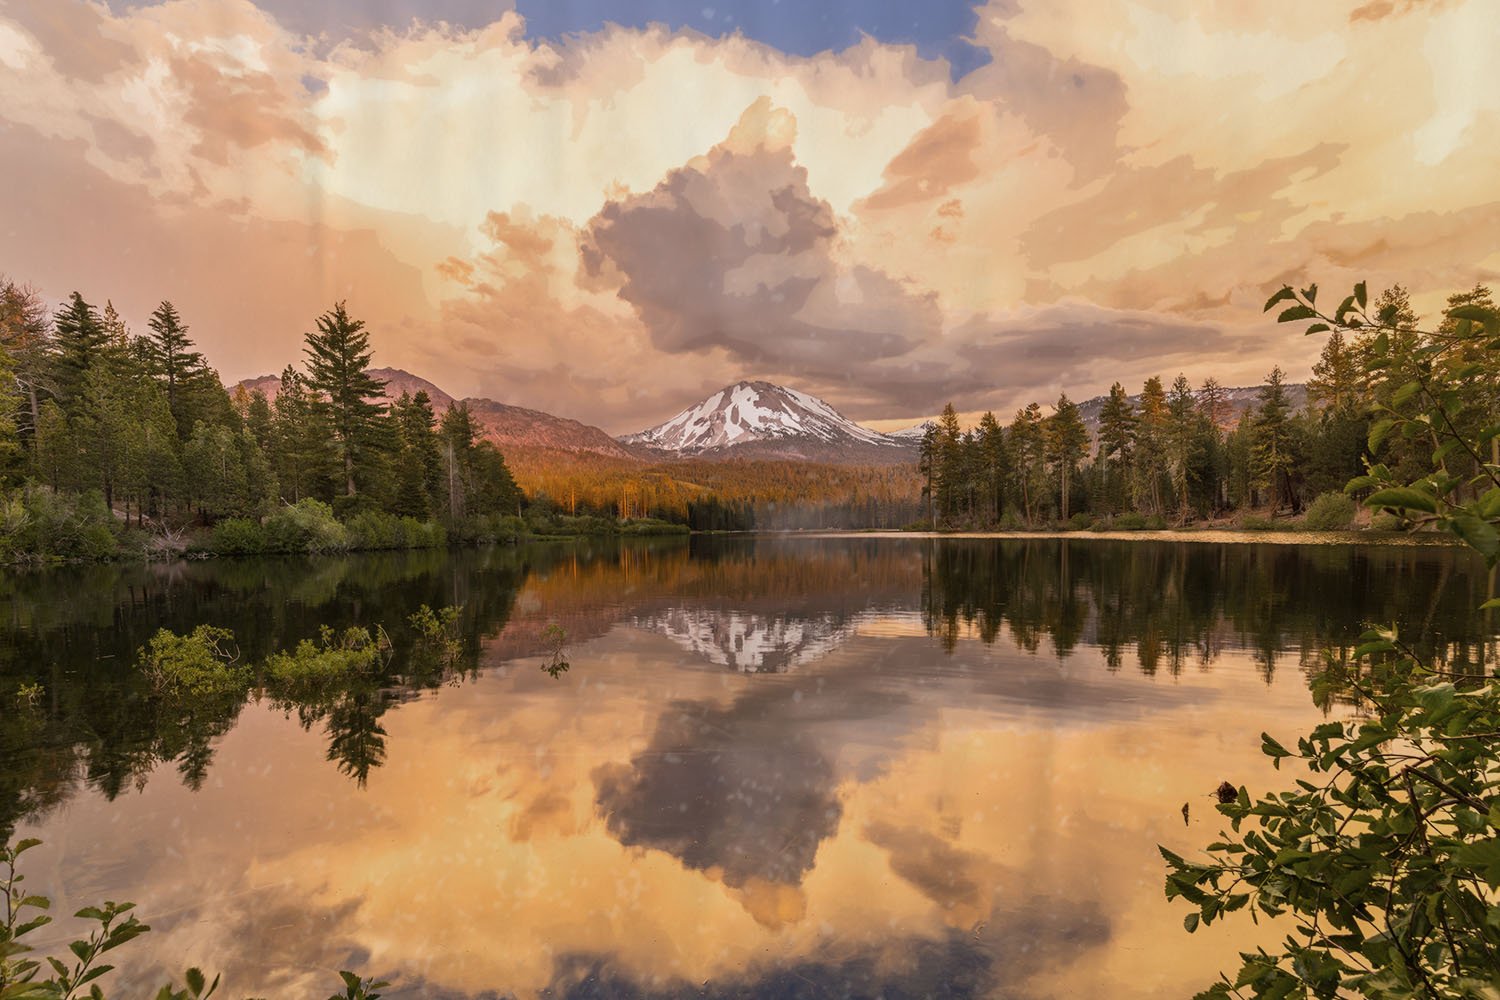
pixel 776 767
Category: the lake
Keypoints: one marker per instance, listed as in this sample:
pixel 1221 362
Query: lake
pixel 774 767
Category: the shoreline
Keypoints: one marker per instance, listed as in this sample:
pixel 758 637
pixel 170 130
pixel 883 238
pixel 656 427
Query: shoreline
pixel 1206 536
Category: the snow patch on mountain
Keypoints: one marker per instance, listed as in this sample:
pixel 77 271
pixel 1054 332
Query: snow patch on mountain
pixel 912 433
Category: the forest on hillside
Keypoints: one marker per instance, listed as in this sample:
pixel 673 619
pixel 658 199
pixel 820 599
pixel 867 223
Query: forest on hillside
pixel 1177 456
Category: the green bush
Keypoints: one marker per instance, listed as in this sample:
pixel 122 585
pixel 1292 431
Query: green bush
pixel 1080 522
pixel 416 534
pixel 335 657
pixel 1250 522
pixel 1130 521
pixel 653 526
pixel 35 522
pixel 372 529
pixel 238 536
pixel 1330 512
pixel 197 665
pixel 306 526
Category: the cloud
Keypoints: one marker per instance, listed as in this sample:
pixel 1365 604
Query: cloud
pixel 244 110
pixel 731 790
pixel 610 224
pixel 734 251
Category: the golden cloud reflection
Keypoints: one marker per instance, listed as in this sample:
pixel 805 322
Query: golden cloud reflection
pixel 890 815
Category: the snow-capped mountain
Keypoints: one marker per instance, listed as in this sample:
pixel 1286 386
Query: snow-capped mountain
pixel 912 434
pixel 762 420
pixel 752 643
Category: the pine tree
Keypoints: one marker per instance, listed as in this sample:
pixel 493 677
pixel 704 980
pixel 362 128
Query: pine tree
pixel 1337 377
pixel 305 461
pixel 927 464
pixel 1271 455
pixel 11 453
pixel 173 360
pixel 1117 422
pixel 418 459
pixel 1151 444
pixel 1214 404
pixel 79 340
pixel 949 462
pixel 337 356
pixel 1183 441
pixel 994 464
pixel 1067 442
pixel 1027 450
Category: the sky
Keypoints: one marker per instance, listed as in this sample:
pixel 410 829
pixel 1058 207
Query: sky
pixel 609 210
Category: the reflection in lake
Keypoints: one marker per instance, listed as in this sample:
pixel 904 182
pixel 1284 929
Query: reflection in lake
pixel 777 767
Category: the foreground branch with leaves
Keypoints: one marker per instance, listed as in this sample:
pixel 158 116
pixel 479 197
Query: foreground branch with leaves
pixel 25 978
pixel 1385 859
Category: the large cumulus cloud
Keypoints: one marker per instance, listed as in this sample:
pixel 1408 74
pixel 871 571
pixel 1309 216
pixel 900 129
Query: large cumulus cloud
pixel 733 250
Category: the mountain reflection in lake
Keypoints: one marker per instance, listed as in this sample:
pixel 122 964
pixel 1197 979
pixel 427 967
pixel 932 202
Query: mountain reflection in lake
pixel 776 767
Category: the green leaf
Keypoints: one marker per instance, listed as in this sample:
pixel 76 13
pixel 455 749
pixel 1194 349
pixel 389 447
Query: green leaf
pixel 1272 749
pixel 1316 328
pixel 1190 922
pixel 1402 498
pixel 1405 393
pixel 1295 313
pixel 1483 857
pixel 1359 294
pixel 1478 535
pixel 1281 296
pixel 1378 432
pixel 195 980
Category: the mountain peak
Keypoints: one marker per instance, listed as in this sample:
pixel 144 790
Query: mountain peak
pixel 766 418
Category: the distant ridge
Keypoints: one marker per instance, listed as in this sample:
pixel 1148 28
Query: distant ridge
pixel 1240 399
pixel 509 427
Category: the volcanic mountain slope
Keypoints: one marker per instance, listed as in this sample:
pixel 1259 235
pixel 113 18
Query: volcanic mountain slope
pixel 763 420
pixel 509 427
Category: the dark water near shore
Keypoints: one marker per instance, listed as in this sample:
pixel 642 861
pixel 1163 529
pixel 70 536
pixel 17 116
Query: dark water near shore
pixel 776 766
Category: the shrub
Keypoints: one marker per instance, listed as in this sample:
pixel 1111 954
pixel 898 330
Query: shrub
pixel 1329 512
pixel 1156 523
pixel 437 633
pixel 238 536
pixel 1080 521
pixel 1250 522
pixel 371 529
pixel 36 522
pixel 306 526
pixel 1010 522
pixel 1130 521
pixel 197 665
pixel 653 526
pixel 335 657
pixel 416 534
